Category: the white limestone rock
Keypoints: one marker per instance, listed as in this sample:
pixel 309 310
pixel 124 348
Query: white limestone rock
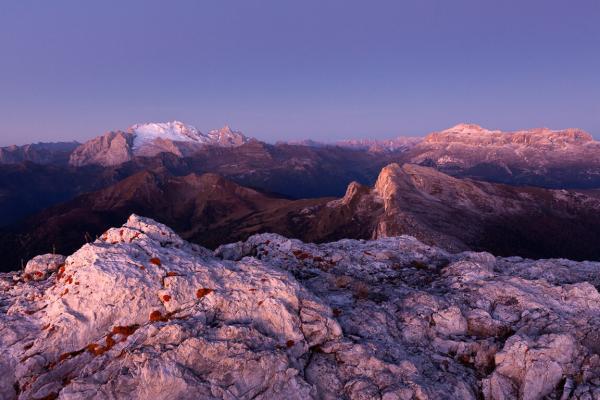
pixel 39 267
pixel 140 313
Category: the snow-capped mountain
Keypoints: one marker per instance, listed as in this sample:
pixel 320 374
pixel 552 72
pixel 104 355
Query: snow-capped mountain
pixel 150 139
pixel 175 131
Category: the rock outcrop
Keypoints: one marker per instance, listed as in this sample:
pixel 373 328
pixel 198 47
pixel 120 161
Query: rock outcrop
pixel 462 214
pixel 112 148
pixel 140 314
pixel 39 267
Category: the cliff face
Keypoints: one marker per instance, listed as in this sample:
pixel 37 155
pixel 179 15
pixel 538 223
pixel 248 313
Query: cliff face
pixel 461 214
pixel 542 157
pixel 140 314
pixel 112 148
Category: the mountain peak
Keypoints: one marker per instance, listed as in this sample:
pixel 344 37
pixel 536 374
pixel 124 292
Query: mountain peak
pixel 150 139
pixel 227 137
pixel 173 130
pixel 467 128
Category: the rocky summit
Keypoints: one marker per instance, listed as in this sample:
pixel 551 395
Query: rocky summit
pixel 149 140
pixel 141 314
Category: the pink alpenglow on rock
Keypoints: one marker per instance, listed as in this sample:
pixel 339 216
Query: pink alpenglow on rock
pixel 276 318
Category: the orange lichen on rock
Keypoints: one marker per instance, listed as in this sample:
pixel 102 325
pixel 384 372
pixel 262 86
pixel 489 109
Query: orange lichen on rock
pixel 156 316
pixel 200 293
pixel 69 279
pixel 289 343
pixel 61 271
pixel 155 261
pixel 171 273
pixel 137 235
pixel 98 350
pixel 95 349
pixel 110 341
pixel 166 298
pixel 124 330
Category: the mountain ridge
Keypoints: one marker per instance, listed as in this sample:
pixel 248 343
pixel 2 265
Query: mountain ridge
pixel 150 139
pixel 438 209
pixel 40 153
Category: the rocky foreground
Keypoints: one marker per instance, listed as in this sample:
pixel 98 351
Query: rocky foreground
pixel 142 314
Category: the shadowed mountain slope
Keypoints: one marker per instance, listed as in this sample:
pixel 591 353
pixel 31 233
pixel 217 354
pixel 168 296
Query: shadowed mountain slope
pixel 455 214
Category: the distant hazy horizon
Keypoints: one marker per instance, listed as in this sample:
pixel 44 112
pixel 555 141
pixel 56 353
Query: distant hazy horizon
pixel 321 70
pixel 284 138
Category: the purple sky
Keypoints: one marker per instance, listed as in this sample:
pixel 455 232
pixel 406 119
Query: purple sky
pixel 297 69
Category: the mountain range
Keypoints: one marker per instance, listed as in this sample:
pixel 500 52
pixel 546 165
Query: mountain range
pixel 537 157
pixel 26 188
pixel 490 191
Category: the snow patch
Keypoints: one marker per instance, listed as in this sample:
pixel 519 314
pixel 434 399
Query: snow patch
pixel 174 130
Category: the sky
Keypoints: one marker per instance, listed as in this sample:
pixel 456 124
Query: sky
pixel 287 70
